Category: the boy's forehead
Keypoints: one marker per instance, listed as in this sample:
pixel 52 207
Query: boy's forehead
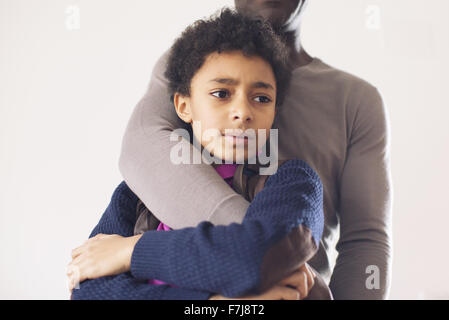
pixel 233 57
pixel 234 65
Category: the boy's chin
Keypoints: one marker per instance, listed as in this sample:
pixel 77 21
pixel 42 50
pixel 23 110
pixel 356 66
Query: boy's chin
pixel 238 158
pixel 235 155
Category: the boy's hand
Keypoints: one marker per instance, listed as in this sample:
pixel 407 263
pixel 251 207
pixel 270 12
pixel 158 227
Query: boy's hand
pixel 108 255
pixel 100 256
pixel 302 280
pixel 294 287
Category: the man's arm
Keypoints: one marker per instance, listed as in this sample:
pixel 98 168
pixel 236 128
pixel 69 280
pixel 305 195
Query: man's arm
pixel 115 220
pixel 363 265
pixel 201 194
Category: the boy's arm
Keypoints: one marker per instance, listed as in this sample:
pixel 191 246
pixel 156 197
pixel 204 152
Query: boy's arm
pixel 124 286
pixel 280 232
pixel 201 194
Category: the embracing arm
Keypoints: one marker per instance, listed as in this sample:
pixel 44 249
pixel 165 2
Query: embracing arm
pixel 202 195
pixel 363 266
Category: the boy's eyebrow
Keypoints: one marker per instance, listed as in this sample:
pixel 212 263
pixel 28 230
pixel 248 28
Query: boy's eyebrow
pixel 233 82
pixel 262 84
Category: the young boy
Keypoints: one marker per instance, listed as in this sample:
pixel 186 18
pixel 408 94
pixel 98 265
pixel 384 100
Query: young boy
pixel 228 74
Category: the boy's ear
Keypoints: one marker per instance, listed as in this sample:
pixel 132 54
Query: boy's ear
pixel 182 107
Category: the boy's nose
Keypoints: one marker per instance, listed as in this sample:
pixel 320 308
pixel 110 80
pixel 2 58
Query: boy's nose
pixel 242 112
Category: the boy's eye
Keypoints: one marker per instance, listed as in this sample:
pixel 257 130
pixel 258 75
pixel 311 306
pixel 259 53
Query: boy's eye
pixel 222 94
pixel 262 99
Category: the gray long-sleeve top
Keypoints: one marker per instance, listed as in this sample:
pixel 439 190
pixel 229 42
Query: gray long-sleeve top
pixel 335 122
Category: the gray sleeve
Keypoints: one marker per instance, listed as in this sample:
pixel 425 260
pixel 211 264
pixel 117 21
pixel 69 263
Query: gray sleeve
pixel 180 195
pixel 363 267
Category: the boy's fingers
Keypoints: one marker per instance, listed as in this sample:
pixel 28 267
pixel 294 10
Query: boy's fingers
pixel 77 251
pixel 72 284
pixel 74 263
pixel 97 237
pixel 76 275
pixel 290 280
pixel 304 289
pixel 313 271
pixel 289 293
pixel 299 280
pixel 310 277
pixel 77 270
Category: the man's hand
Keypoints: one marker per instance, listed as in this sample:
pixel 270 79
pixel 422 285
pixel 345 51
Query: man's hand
pixel 100 256
pixel 294 287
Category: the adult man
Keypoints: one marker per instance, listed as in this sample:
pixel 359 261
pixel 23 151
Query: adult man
pixel 334 121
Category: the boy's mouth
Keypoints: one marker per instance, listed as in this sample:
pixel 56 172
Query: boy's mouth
pixel 238 138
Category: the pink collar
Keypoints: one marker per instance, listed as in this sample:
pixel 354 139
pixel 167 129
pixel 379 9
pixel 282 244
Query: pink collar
pixel 226 170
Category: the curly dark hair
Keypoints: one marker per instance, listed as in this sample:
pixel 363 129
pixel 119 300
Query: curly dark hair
pixel 226 31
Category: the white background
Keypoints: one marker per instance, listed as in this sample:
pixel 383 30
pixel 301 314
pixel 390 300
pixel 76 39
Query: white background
pixel 67 94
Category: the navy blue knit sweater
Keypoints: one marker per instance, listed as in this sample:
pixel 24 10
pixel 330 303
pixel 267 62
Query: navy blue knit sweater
pixel 281 231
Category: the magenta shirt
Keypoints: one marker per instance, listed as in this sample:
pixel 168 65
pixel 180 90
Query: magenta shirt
pixel 226 171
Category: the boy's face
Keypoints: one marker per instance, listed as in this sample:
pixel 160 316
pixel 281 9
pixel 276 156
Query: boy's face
pixel 230 94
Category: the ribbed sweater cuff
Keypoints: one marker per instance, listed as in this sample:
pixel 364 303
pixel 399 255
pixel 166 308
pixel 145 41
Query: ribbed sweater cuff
pixel 149 258
pixel 149 261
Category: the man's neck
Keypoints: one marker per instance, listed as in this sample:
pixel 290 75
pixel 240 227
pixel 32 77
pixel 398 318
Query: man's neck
pixel 299 59
pixel 298 56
